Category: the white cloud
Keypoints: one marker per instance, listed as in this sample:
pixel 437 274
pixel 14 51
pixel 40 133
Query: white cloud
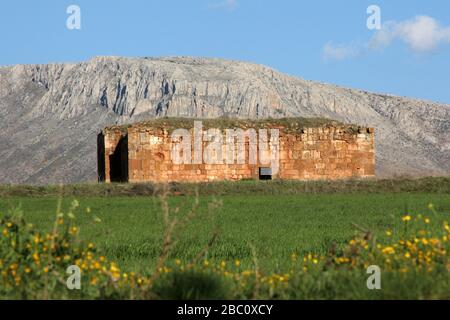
pixel 229 5
pixel 422 34
pixel 340 51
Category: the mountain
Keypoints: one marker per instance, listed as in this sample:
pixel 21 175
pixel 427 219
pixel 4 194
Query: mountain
pixel 50 114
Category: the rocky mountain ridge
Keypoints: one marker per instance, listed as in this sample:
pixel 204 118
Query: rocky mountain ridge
pixel 51 114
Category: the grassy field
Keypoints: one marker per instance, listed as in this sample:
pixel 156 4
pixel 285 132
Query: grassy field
pixel 276 239
pixel 131 228
pixel 246 187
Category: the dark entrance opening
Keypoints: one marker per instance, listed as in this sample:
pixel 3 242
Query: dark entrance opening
pixel 101 171
pixel 118 162
pixel 265 173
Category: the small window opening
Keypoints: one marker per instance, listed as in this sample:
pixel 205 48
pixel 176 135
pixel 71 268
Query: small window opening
pixel 265 173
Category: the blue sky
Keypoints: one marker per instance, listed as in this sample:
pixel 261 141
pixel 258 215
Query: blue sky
pixel 319 40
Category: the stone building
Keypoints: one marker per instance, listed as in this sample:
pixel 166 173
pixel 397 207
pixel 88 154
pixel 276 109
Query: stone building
pixel 298 149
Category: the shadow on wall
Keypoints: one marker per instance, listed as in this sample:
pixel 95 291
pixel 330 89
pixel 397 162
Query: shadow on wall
pixel 118 161
pixel 101 158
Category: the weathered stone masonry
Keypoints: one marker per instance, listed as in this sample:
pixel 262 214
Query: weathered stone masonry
pixel 142 153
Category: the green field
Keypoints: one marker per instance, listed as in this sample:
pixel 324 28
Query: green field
pixel 244 240
pixel 131 228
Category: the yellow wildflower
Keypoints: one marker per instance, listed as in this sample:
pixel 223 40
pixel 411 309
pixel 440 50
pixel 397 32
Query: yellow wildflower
pixel 388 250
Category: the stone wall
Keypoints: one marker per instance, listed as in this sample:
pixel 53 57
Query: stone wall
pixel 326 152
pixel 150 160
